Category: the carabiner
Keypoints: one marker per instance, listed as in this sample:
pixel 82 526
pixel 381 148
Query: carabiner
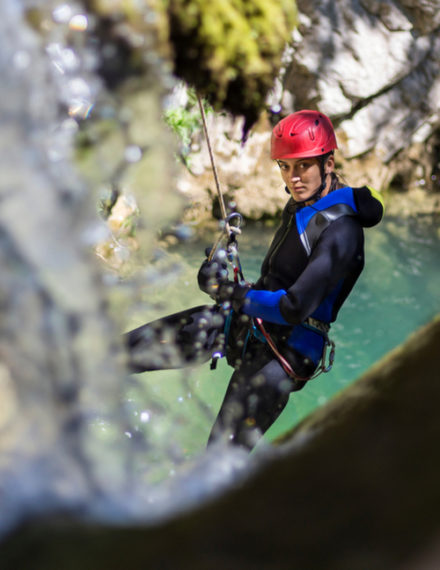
pixel 230 230
pixel 331 358
pixel 233 230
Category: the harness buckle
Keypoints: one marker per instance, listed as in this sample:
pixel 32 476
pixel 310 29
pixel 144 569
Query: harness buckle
pixel 316 324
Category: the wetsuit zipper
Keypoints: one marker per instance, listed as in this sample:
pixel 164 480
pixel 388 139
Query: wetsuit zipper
pixel 281 241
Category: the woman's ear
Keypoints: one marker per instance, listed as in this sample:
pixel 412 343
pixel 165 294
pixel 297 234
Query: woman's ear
pixel 330 164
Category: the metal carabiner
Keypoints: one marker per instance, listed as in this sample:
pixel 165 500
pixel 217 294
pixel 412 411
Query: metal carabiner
pixel 331 357
pixel 233 230
pixel 232 244
pixel 230 230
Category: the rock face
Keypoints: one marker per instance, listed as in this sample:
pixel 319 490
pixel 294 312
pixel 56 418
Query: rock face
pixel 249 180
pixel 373 67
pixel 230 50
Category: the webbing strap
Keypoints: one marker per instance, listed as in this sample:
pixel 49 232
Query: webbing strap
pixel 320 326
pixel 285 364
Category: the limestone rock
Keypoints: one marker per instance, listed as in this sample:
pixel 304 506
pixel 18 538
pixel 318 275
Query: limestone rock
pixel 374 68
pixel 248 177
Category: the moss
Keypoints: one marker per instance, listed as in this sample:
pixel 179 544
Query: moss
pixel 231 50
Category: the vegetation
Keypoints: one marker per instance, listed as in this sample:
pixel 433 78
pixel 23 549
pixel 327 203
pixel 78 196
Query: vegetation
pixel 231 50
pixel 186 122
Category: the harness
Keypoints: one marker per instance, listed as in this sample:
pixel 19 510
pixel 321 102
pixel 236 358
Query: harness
pixel 285 364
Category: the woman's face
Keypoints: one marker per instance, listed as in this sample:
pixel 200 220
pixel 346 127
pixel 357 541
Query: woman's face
pixel 302 176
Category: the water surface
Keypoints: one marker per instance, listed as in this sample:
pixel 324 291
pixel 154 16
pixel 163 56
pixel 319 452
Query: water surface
pixel 397 293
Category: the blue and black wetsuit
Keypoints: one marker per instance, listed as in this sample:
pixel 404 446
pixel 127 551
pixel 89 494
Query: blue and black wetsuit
pixel 313 263
pixel 315 258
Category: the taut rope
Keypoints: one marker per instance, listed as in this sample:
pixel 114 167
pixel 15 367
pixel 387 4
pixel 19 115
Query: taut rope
pixel 211 156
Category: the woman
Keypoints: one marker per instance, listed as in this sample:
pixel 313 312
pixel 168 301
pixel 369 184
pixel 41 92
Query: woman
pixel 276 330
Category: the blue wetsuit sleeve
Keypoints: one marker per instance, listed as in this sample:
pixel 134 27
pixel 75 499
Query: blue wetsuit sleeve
pixel 265 305
pixel 339 252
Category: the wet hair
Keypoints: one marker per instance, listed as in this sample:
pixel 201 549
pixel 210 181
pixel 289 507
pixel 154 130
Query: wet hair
pixel 337 180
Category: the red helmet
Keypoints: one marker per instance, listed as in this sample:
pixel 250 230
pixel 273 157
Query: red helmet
pixel 303 134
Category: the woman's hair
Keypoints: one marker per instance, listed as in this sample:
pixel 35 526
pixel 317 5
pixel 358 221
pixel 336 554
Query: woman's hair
pixel 337 180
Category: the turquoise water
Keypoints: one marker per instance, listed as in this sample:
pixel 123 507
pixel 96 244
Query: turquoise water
pixel 398 292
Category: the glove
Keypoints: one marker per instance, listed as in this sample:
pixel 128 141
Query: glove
pixel 233 293
pixel 213 273
pixel 213 279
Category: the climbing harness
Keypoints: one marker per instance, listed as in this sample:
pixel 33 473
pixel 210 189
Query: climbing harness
pixel 322 367
pixel 230 231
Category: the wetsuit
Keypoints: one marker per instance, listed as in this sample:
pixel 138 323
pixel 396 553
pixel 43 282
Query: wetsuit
pixel 314 260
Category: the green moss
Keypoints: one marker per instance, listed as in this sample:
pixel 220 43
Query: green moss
pixel 230 50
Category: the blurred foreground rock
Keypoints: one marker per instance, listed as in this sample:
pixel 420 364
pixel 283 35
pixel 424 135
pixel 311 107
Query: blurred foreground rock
pixel 354 487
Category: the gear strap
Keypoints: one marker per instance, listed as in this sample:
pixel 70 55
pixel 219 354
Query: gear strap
pixel 322 328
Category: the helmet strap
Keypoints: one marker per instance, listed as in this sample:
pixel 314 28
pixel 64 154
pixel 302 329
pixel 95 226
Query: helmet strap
pixel 323 160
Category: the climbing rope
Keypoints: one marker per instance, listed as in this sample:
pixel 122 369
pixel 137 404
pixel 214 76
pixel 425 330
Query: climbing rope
pixel 211 156
pixel 285 364
pixel 229 230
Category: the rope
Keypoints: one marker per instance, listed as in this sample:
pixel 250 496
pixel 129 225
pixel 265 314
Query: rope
pixel 211 156
pixel 286 365
pixel 283 361
pixel 229 230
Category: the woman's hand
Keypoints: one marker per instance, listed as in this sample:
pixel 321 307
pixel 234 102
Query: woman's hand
pixel 212 274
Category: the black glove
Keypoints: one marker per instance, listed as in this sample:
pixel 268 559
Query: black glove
pixel 212 274
pixel 213 279
pixel 233 293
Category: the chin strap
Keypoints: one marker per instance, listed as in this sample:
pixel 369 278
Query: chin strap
pixel 316 196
